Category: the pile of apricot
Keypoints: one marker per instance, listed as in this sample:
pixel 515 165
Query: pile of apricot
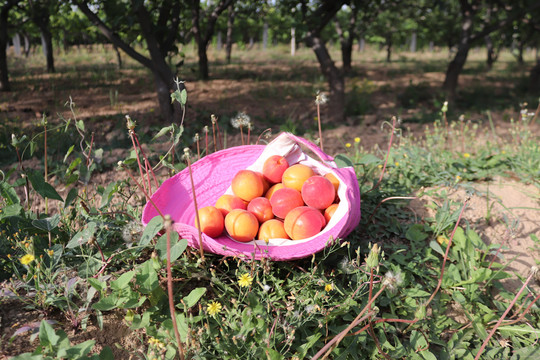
pixel 283 202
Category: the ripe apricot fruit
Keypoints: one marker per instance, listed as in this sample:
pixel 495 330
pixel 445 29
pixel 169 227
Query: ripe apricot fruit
pixel 247 185
pixel 272 189
pixel 261 208
pixel 272 229
pixel 241 225
pixel 225 203
pixel 318 192
pixel 295 176
pixel 329 212
pixel 303 222
pixel 211 220
pixel 333 179
pixel 284 200
pixel 274 167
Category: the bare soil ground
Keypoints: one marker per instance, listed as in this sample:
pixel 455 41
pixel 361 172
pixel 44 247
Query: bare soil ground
pixel 277 94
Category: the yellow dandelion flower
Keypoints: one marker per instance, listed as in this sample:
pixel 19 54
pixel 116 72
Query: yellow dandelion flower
pixel 357 140
pixel 27 259
pixel 466 155
pixel 442 240
pixel 379 166
pixel 213 308
pixel 328 287
pixel 9 256
pixel 397 163
pixel 245 280
pixel 348 145
pixel 458 178
pixel 50 252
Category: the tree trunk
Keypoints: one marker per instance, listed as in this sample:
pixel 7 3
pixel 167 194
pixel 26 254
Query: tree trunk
pixel 491 57
pixel 46 41
pixel 534 78
pixel 389 49
pixel 336 80
pixel 4 78
pixel 456 65
pixel 362 44
pixel 118 56
pixel 219 41
pixel 293 41
pixel 412 47
pixel 265 35
pixel 17 44
pixel 229 40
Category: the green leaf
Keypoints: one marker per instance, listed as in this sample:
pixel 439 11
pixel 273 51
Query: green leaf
pixel 108 194
pixel 151 229
pixel 80 350
pixel 416 233
pixel 97 284
pixel 177 247
pixel 10 210
pixel 70 150
pixel 147 278
pixel 342 161
pixel 106 303
pixel 42 187
pixel 106 354
pixel 123 281
pixel 194 296
pixel 163 131
pixel 71 196
pixel 47 224
pixel 183 97
pixel 308 344
pixel 83 236
pixel 368 159
pixel 47 335
pixel 9 194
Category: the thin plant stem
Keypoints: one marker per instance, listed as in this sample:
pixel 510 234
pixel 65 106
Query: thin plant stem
pixel 387 199
pixel 46 167
pixel 320 128
pixel 214 133
pixel 201 250
pixel 242 134
pixel 206 140
pixel 198 148
pixel 327 349
pixel 146 159
pixel 248 134
pixel 260 136
pixel 168 225
pixel 512 303
pixel 90 151
pixel 522 315
pixel 131 135
pixel 219 136
pixel 144 191
pixel 394 120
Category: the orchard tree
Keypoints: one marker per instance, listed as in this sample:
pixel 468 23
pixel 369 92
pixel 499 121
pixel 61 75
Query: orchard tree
pixel 204 23
pixel 39 11
pixel 158 23
pixel 5 8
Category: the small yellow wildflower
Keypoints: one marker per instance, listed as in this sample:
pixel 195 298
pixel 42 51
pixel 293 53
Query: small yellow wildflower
pixel 9 256
pixel 328 287
pixel 213 308
pixel 155 342
pixel 379 166
pixel 397 163
pixel 27 259
pixel 458 178
pixel 442 240
pixel 466 155
pixel 348 145
pixel 245 280
pixel 357 140
pixel 50 252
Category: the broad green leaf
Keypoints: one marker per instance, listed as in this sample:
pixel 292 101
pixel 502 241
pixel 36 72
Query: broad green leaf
pixel 183 97
pixel 342 161
pixel 47 335
pixel 177 247
pixel 10 210
pixel 106 303
pixel 78 351
pixel 416 233
pixel 123 281
pixel 83 236
pixel 308 344
pixel 108 194
pixel 194 296
pixel 9 194
pixel 163 131
pixel 369 159
pixel 147 278
pixel 151 229
pixel 70 150
pixel 42 187
pixel 71 196
pixel 106 354
pixel 47 224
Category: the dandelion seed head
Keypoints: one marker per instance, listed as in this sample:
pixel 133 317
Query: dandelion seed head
pixel 321 99
pixel 131 232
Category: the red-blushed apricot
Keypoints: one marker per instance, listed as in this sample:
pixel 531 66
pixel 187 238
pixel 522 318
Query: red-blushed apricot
pixel 247 185
pixel 303 222
pixel 318 192
pixel 274 167
pixel 284 200
pixel 266 184
pixel 272 229
pixel 272 189
pixel 241 225
pixel 261 208
pixel 333 179
pixel 225 203
pixel 211 220
pixel 295 176
pixel 329 212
